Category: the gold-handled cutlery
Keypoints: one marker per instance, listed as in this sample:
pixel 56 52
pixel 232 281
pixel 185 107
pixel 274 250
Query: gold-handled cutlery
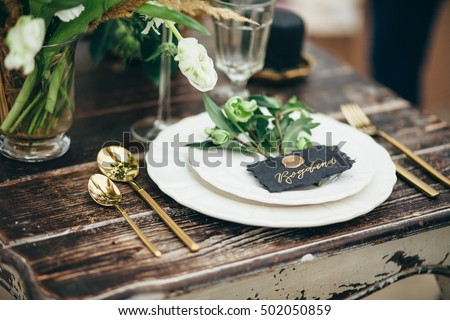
pixel 118 164
pixel 106 193
pixel 416 182
pixel 358 119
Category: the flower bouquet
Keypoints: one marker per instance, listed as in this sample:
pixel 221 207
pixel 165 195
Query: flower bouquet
pixel 258 124
pixel 279 131
pixel 37 44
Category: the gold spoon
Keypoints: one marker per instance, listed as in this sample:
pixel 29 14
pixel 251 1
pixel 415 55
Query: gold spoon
pixel 119 164
pixel 106 193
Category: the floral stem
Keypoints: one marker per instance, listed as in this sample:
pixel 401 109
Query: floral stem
pixel 241 142
pixel 21 99
pixel 174 30
pixel 280 133
pixel 54 85
pixel 39 113
pixel 253 142
pixel 170 36
pixel 246 135
pixel 66 98
pixel 277 124
pixel 252 134
pixel 265 154
pixel 25 112
pixel 42 121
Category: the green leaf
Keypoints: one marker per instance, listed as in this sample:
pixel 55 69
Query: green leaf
pixel 102 40
pixel 168 48
pixel 234 146
pixel 293 103
pixel 293 130
pixel 265 101
pixel 229 145
pixel 273 139
pixel 285 122
pixel 261 129
pixel 310 125
pixel 201 145
pixel 303 143
pixel 93 11
pixel 216 115
pixel 272 104
pixel 155 54
pixel 54 5
pixel 175 16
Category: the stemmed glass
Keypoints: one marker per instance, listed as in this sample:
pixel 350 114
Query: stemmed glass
pixel 241 46
pixel 147 129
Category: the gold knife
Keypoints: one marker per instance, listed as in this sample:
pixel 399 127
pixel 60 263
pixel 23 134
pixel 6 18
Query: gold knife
pixel 416 182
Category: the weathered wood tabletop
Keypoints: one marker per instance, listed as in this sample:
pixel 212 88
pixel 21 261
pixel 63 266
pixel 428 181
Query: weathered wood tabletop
pixel 55 242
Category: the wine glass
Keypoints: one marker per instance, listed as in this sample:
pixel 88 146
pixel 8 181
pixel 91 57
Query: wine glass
pixel 241 46
pixel 147 129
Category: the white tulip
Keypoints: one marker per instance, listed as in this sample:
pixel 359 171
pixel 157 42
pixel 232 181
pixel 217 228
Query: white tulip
pixel 24 41
pixel 196 65
pixel 70 14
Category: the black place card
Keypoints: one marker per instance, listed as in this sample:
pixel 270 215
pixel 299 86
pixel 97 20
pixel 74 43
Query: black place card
pixel 300 168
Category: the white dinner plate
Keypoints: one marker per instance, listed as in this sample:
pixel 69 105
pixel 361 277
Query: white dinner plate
pixel 229 172
pixel 167 166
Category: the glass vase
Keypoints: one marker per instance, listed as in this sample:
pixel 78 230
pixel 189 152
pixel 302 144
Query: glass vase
pixel 37 110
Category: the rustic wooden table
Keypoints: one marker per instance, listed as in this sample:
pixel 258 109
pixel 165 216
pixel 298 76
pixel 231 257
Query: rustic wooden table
pixel 55 242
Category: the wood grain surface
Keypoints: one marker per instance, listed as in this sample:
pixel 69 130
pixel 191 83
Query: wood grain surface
pixel 62 245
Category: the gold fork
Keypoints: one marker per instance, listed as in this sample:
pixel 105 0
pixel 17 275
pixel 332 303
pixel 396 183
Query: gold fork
pixel 357 118
pixel 361 122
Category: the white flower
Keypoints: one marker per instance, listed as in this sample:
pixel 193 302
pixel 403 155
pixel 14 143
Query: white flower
pixel 24 41
pixel 195 64
pixel 154 24
pixel 70 14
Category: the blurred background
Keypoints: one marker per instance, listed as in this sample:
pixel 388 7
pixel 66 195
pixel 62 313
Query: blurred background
pixel 343 28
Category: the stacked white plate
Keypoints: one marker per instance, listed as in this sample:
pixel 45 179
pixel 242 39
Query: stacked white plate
pixel 217 183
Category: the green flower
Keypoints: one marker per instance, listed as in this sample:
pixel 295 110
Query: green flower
pixel 303 143
pixel 240 110
pixel 218 136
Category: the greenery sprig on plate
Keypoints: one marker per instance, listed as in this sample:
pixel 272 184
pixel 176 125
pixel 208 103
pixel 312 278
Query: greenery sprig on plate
pixel 258 124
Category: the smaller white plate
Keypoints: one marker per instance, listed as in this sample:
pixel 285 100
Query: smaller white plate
pixel 227 171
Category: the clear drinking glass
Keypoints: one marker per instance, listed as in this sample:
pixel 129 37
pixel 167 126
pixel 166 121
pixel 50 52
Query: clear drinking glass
pixel 241 46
